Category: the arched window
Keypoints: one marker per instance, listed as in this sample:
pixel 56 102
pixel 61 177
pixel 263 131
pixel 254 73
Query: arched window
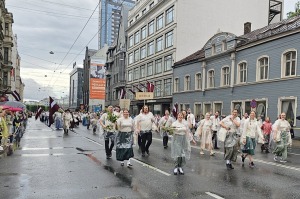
pixel 289 63
pixel 225 75
pixel 263 68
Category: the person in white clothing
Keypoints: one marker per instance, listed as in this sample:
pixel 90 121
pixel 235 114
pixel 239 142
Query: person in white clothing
pixel 204 131
pixel 67 117
pixel 144 127
pixel 191 118
pixel 215 128
pixel 251 130
pixel 165 121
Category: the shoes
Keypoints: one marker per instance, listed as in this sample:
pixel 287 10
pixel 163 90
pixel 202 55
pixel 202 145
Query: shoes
pixel 180 171
pixel 108 156
pixel 276 158
pixel 148 152
pixel 267 151
pixel 201 153
pixel 229 166
pixel 251 165
pixel 176 171
pixel 282 161
pixel 122 163
pixel 212 153
pixel 165 147
pixel 216 148
pixel 143 154
pixel 129 164
pixel 243 158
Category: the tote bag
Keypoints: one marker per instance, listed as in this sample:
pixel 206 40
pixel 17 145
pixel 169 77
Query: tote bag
pixel 222 134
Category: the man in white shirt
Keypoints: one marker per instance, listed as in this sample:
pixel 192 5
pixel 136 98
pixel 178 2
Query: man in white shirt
pixel 144 127
pixel 191 118
pixel 215 128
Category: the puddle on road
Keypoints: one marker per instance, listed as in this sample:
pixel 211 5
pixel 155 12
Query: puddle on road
pixel 50 148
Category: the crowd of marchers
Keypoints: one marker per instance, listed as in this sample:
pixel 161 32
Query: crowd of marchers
pixel 236 135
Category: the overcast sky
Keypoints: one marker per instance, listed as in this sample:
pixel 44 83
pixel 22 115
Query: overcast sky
pixel 53 25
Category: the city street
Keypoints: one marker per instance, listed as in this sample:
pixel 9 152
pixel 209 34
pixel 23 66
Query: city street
pixel 52 165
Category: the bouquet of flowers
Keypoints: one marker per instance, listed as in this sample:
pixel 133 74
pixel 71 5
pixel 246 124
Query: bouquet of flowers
pixel 109 127
pixel 168 129
pixel 112 117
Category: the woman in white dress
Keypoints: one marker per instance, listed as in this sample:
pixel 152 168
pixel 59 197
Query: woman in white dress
pixel 204 131
pixel 251 130
pixel 231 123
pixel 181 148
pixel 165 121
pixel 67 117
pixel 124 150
pixel 282 138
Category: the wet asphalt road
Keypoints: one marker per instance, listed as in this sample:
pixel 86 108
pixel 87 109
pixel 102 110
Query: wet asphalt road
pixel 51 165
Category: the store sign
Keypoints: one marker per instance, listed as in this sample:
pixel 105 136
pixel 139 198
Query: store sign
pixel 124 103
pixel 143 95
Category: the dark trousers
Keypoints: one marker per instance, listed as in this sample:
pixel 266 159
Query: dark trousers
pixel 165 140
pixel 108 147
pixel 146 138
pixel 139 140
pixel 215 139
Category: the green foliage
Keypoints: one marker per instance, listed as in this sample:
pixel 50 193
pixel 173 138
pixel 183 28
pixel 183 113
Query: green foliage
pixel 297 11
pixel 34 108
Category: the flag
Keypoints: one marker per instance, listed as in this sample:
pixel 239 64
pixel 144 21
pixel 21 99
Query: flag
pixel 137 88
pixel 40 110
pixel 175 110
pixel 122 93
pixel 16 95
pixel 53 107
pixel 150 87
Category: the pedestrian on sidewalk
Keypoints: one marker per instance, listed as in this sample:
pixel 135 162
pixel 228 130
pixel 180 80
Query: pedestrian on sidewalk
pixel 231 123
pixel 165 122
pixel 124 139
pixel 282 137
pixel 144 126
pixel 180 148
pixel 215 128
pixel 58 119
pixel 205 133
pixel 108 123
pixel 252 129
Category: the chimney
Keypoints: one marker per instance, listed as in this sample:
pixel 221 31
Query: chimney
pixel 247 28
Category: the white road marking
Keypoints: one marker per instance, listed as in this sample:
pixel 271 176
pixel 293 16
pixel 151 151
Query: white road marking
pixel 93 141
pixel 151 167
pixel 37 149
pixel 257 160
pixel 214 195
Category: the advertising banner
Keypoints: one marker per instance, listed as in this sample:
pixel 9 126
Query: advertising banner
pixel 97 80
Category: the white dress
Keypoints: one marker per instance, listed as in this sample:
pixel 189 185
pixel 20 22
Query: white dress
pixel 204 129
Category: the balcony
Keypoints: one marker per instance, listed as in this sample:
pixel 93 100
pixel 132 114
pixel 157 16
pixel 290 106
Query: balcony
pixel 119 84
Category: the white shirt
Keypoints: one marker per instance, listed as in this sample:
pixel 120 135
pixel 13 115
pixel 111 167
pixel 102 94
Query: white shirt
pixel 181 128
pixel 230 124
pixel 165 122
pixel 251 128
pixel 145 121
pixel 191 118
pixel 125 125
pixel 215 123
pixel 105 121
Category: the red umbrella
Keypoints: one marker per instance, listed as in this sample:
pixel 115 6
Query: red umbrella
pixel 13 109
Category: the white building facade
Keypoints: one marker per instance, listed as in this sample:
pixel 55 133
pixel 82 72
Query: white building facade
pixel 163 32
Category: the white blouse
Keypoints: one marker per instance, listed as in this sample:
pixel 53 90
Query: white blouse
pixel 145 121
pixel 125 125
pixel 181 128
pixel 230 124
pixel 251 129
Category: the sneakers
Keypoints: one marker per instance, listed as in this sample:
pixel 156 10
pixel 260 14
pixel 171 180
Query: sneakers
pixel 282 161
pixel 176 171
pixel 148 152
pixel 180 171
pixel 276 158
pixel 129 164
pixel 201 153
pixel 251 165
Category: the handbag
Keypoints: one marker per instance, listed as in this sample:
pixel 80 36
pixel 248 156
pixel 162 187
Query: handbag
pixel 222 134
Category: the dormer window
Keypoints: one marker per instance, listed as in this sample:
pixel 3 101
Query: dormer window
pixel 213 49
pixel 224 45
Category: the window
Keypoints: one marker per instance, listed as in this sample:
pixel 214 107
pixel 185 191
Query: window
pixel 131 41
pixel 187 81
pixel 169 39
pixel 150 69
pixel 151 28
pixel 130 75
pixel 176 84
pixel 168 63
pixel 242 72
pixel 157 89
pixel 159 44
pixel 5 55
pixel 150 48
pixel 167 87
pixel 131 22
pixel 137 37
pixel 170 15
pixel 207 108
pixel 143 52
pixel 213 49
pixel 198 81
pixel 224 45
pixel 211 79
pixel 263 68
pixel 289 64
pixel 158 66
pixel 159 22
pixel 136 55
pixel 5 78
pixel 130 58
pixel 238 107
pixel 151 4
pixel 137 17
pixel 143 72
pixel 198 111
pixel 218 107
pixel 143 33
pixel 288 107
pixel 144 11
pixel 225 76
pixel 136 74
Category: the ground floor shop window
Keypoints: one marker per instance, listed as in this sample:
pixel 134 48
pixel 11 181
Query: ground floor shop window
pixel 289 108
pixel 218 107
pixel 198 111
pixel 157 109
pixel 238 107
pixel 207 108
